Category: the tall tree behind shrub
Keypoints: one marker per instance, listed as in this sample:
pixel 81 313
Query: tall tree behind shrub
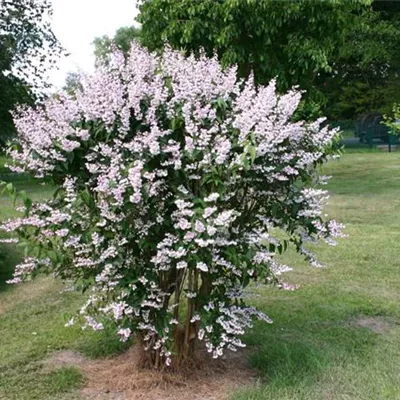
pixel 291 40
pixel 103 46
pixel 28 48
pixel 366 68
pixel 344 53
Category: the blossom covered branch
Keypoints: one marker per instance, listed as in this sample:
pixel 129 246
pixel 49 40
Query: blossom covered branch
pixel 174 177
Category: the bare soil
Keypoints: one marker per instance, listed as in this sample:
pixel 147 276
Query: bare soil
pixel 65 358
pixel 375 324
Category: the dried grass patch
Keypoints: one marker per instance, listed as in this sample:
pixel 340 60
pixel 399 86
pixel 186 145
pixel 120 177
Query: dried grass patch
pixel 120 377
pixel 375 324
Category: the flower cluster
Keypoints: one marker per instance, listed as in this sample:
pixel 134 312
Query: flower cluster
pixel 173 177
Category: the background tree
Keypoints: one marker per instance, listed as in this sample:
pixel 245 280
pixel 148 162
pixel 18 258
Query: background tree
pixel 73 83
pixel 344 53
pixel 28 48
pixel 13 91
pixel 366 67
pixel 122 40
pixel 290 40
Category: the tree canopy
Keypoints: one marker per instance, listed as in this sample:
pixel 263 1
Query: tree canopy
pixel 345 53
pixel 28 48
pixel 122 40
pixel 290 40
pixel 366 67
pixel 72 83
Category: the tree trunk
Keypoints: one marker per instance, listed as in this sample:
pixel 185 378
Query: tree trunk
pixel 185 334
pixel 183 352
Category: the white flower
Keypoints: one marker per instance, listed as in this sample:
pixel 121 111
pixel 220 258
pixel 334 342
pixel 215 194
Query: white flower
pixel 211 230
pixel 62 232
pixel 83 134
pixel 195 318
pixel 143 280
pixel 181 265
pixel 189 236
pixel 202 266
pixel 70 322
pixel 209 211
pixel 199 227
pixel 184 224
pixel 212 197
pixel 125 334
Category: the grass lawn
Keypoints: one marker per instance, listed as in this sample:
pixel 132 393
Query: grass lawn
pixel 336 338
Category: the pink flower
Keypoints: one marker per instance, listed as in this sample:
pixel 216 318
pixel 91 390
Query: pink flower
pixel 158 187
pixel 199 227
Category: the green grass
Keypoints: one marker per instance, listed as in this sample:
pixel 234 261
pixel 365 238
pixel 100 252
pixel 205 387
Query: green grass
pixel 32 318
pixel 348 133
pixel 317 348
pixel 23 182
pixel 8 256
pixel 336 338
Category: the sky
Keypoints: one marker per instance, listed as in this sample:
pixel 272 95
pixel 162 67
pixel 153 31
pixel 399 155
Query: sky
pixel 77 22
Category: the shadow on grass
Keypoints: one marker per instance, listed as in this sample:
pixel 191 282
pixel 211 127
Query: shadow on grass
pixel 9 258
pixel 99 344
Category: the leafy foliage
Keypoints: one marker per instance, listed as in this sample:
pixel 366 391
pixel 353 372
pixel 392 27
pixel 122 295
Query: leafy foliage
pixel 293 41
pixel 344 53
pixel 393 121
pixel 365 77
pixel 13 91
pixel 27 42
pixel 72 83
pixel 173 179
pixel 122 40
pixel 28 48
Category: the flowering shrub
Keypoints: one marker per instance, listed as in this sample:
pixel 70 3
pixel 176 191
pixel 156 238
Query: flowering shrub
pixel 173 177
